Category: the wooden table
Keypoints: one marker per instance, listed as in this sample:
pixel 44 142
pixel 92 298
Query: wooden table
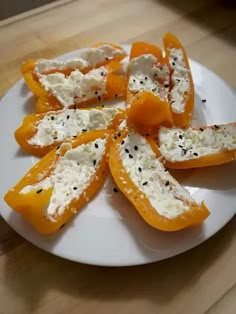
pixel 202 280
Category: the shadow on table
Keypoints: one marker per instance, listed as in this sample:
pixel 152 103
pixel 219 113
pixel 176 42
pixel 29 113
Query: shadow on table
pixel 36 274
pixel 211 15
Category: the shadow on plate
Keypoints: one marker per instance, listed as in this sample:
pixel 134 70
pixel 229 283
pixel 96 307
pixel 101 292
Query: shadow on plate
pixel 29 105
pixel 199 117
pixel 221 177
pixel 20 153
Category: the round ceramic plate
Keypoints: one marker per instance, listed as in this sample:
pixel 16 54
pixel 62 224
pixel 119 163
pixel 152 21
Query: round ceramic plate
pixel 108 231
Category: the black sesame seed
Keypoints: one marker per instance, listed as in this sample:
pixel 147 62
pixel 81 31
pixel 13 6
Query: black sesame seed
pixel 116 95
pixel 122 143
pixel 147 134
pixel 96 145
pixel 62 226
pixel 173 63
pixel 166 169
pixel 135 147
pixel 102 73
pixel 177 80
pixel 154 89
pixel 68 117
pixel 55 138
pixel 141 82
pixel 84 130
pixel 181 146
pixel 180 136
pixel 115 190
pixel 134 80
pixel 131 156
pixel 75 188
pixel 139 169
pixel 39 191
pixel 216 126
pixel 75 107
pixel 155 74
pixel 195 154
pixel 52 118
pixel 119 134
pixel 145 183
pixel 126 150
pixel 77 163
pixel 74 136
pixel 146 78
pixel 58 146
pixel 96 92
pixel 166 85
pixel 99 97
pixel 94 162
pixel 184 151
pixel 203 100
pixel 175 58
pixel 201 129
pixel 167 183
pixel 115 137
pixel 107 58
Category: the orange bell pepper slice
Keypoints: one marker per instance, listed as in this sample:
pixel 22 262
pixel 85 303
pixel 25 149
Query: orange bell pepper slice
pixel 195 157
pixel 115 87
pixel 183 118
pixel 33 203
pixel 195 214
pixel 29 128
pixel 144 107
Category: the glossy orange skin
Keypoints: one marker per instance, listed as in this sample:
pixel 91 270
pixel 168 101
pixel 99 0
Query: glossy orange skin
pixel 32 205
pixel 141 48
pixel 184 119
pixel 195 215
pixel 149 110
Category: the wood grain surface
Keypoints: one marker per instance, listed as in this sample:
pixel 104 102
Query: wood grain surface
pixel 202 280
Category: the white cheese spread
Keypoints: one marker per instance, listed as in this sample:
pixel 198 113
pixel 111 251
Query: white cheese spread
pixel 89 57
pixel 72 174
pixel 165 194
pixel 179 145
pixel 70 122
pixel 147 74
pixel 77 87
pixel 179 80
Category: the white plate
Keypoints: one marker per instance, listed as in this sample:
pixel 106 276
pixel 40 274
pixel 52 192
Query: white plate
pixel 109 231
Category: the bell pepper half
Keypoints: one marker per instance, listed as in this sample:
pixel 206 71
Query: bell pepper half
pixel 156 195
pixel 197 147
pixel 181 82
pixel 115 85
pixel 60 121
pixel 52 192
